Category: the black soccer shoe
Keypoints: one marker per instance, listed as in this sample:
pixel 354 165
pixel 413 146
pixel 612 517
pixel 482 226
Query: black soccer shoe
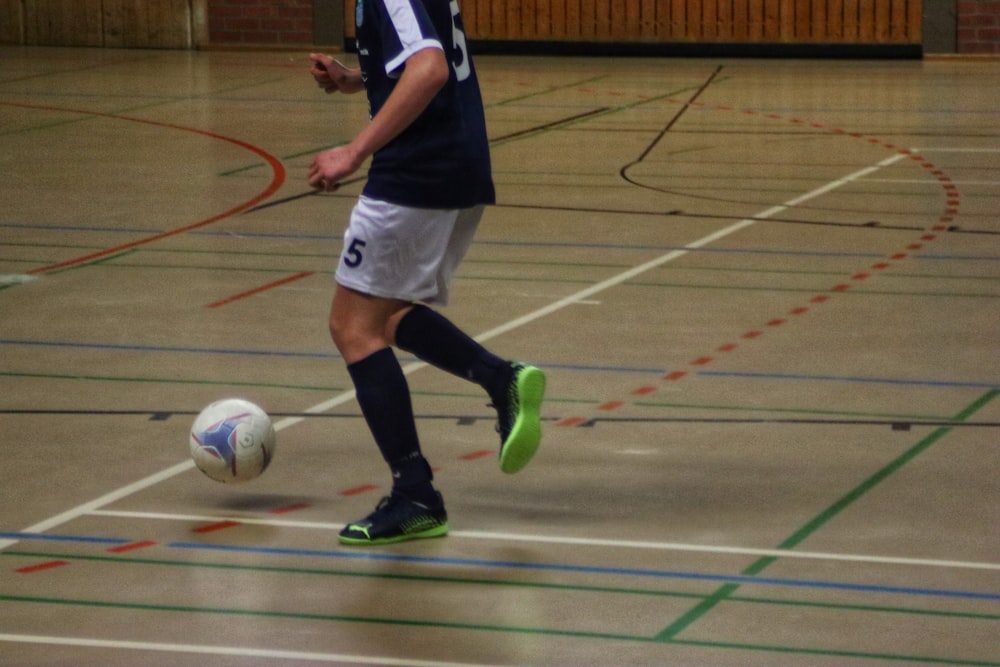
pixel 397 519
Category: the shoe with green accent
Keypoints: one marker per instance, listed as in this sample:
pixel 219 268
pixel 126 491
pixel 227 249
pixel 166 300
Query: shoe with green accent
pixel 397 519
pixel 520 417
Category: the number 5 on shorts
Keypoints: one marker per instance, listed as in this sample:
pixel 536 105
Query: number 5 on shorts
pixel 352 256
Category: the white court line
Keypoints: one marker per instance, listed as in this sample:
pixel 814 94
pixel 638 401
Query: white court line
pixel 927 181
pixel 573 299
pixel 954 150
pixel 16 279
pixel 572 541
pixel 240 651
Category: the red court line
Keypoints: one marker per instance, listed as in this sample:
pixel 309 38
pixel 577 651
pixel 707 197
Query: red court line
pixel 131 547
pixel 212 527
pixel 277 180
pixel 41 566
pixel 291 508
pixel 954 200
pixel 262 288
pixel 471 456
pixel 358 490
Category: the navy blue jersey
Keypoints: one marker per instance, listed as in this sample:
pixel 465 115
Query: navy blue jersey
pixel 442 160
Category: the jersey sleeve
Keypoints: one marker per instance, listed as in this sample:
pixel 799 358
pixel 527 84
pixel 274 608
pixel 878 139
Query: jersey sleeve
pixel 406 29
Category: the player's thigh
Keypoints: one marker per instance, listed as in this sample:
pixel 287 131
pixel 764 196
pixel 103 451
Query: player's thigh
pixel 393 251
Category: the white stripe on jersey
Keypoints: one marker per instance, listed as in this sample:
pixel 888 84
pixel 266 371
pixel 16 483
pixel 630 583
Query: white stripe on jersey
pixel 412 40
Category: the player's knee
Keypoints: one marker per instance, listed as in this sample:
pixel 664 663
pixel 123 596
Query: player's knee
pixel 345 336
pixel 354 342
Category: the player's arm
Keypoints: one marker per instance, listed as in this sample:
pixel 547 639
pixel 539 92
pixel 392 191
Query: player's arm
pixel 426 72
pixel 333 76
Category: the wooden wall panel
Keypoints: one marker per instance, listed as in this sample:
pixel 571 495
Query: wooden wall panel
pixel 702 21
pixel 63 22
pixel 11 22
pixel 108 23
pixel 835 22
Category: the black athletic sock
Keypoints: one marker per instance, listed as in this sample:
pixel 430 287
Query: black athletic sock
pixel 434 339
pixel 384 397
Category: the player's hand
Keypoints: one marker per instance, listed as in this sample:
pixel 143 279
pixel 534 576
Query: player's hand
pixel 333 76
pixel 330 166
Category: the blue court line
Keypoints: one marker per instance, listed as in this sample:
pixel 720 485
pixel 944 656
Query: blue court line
pixel 519 565
pixel 523 244
pixel 585 569
pixel 478 241
pixel 550 366
pixel 280 353
pixel 163 348
pixel 63 538
pixel 849 378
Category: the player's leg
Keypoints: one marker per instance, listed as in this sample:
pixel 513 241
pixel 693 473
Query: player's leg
pixel 377 260
pixel 516 389
pixel 414 509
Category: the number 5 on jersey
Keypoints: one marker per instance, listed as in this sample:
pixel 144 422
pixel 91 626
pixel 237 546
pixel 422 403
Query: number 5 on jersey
pixel 461 63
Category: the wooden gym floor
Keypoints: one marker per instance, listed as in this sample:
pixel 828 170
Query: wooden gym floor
pixel 765 294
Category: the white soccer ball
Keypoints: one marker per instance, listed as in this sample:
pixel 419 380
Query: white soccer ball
pixel 232 440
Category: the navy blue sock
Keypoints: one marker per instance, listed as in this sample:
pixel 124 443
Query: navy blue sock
pixel 384 397
pixel 433 338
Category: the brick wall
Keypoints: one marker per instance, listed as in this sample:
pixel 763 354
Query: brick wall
pixel 260 22
pixel 979 26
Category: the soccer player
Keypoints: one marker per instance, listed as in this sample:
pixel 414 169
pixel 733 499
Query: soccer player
pixel 427 185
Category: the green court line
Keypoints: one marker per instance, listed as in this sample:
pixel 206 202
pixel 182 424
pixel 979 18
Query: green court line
pixel 505 583
pixel 220 269
pixel 474 260
pixel 804 411
pixel 495 104
pixel 81 115
pixel 513 279
pixel 261 613
pixel 724 592
pixel 511 629
pixel 292 156
pixel 168 381
pixel 856 291
pixel 311 151
pixel 609 111
pixel 813 272
pixel 547 90
pixel 261 385
pixel 847 414
pixel 96 262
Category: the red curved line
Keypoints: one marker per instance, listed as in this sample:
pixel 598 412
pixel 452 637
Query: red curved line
pixel 277 180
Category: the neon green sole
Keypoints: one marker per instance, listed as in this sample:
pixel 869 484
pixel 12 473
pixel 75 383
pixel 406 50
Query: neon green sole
pixel 526 433
pixel 436 531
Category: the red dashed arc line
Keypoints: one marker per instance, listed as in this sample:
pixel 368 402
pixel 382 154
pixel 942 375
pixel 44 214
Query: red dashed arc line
pixel 952 203
pixel 277 180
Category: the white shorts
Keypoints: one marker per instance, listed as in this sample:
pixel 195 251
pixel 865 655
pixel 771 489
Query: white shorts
pixel 397 252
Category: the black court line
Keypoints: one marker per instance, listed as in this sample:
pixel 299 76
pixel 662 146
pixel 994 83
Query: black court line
pixel 301 195
pixel 623 172
pixel 465 419
pixel 874 224
pixel 512 135
pixel 551 125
